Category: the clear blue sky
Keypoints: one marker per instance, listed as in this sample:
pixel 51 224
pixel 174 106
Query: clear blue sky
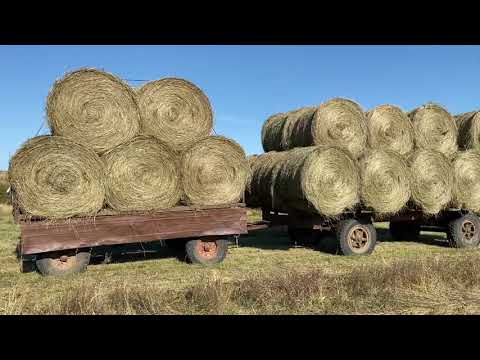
pixel 246 84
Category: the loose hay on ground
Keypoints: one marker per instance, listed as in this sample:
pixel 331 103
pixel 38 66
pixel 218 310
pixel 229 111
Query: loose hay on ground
pixel 55 177
pixel 390 129
pixel 318 179
pixel 434 129
pixel 142 175
pixel 94 108
pixel 385 181
pixel 432 180
pixel 466 169
pixel 214 171
pixel 468 125
pixel 175 111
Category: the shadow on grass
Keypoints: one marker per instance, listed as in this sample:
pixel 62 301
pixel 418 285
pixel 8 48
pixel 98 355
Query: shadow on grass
pixel 383 235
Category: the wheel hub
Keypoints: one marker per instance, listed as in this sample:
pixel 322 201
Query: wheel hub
pixel 468 230
pixel 358 239
pixel 207 249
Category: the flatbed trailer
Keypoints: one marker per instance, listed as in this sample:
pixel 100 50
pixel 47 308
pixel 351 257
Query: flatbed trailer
pixel 61 247
pixel 355 234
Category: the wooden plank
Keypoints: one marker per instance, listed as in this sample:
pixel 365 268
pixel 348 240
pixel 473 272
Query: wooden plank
pixel 38 237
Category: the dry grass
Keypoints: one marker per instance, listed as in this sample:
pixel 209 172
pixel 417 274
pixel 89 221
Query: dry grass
pixel 263 276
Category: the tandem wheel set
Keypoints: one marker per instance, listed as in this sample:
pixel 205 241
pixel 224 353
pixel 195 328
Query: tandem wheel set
pixel 57 248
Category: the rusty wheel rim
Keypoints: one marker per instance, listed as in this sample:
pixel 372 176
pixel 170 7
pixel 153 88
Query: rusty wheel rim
pixel 358 239
pixel 207 249
pixel 468 230
pixel 64 262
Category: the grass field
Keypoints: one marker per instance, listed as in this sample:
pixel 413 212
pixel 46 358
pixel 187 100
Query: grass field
pixel 262 276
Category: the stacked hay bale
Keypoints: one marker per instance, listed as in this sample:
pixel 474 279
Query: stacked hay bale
pixel 403 159
pixel 128 150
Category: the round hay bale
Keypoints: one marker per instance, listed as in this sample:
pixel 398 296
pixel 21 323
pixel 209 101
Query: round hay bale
pixel 248 192
pixel 434 129
pixel 466 170
pixel 432 180
pixel 56 178
pixel 385 181
pixel 142 175
pixel 316 179
pixel 94 108
pixel 175 111
pixel 342 123
pixel 272 131
pixel 214 171
pixel 390 129
pixel 337 122
pixel 468 125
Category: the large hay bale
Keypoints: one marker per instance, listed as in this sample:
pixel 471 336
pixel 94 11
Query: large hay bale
pixel 94 108
pixel 316 179
pixel 55 177
pixel 337 122
pixel 142 175
pixel 390 129
pixel 248 192
pixel 214 171
pixel 434 129
pixel 468 125
pixel 385 181
pixel 432 180
pixel 466 170
pixel 175 111
pixel 272 131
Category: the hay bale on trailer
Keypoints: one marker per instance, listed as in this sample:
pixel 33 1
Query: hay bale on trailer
pixel 175 111
pixel 214 171
pixel 142 174
pixel 316 179
pixel 468 125
pixel 466 169
pixel 385 181
pixel 55 177
pixel 272 131
pixel 432 180
pixel 337 122
pixel 390 129
pixel 94 108
pixel 434 129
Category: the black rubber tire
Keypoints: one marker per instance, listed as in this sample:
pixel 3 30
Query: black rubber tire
pixel 300 236
pixel 194 256
pixel 404 230
pixel 176 244
pixel 344 228
pixel 456 236
pixel 46 264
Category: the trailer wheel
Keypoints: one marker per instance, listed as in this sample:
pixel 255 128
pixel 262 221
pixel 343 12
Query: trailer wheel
pixel 355 237
pixel 57 264
pixel 206 251
pixel 404 230
pixel 464 232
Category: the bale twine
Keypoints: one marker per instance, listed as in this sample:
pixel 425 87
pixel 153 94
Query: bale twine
pixel 466 170
pixel 214 171
pixel 385 183
pixel 142 175
pixel 432 180
pixel 55 177
pixel 468 125
pixel 175 111
pixel 272 131
pixel 434 129
pixel 390 129
pixel 94 108
pixel 316 179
